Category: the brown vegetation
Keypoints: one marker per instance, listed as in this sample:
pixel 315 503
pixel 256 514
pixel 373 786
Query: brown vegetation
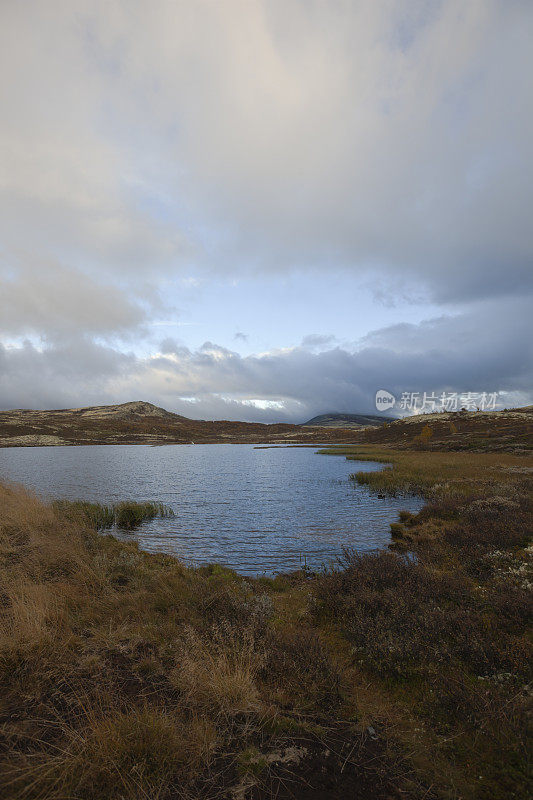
pixel 144 423
pixel 478 431
pixel 125 675
pixel 401 674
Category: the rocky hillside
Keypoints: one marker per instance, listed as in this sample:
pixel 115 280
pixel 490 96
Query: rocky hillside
pixel 353 421
pixel 142 423
pixel 508 430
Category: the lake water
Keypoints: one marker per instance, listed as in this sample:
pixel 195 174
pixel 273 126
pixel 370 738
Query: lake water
pixel 255 510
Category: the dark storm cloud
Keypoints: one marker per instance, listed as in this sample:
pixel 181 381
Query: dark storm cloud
pixel 60 375
pixel 462 353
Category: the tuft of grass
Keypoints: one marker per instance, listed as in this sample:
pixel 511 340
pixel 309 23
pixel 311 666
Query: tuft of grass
pixel 129 514
pixel 397 531
pixel 32 618
pixel 138 752
pixel 119 754
pixel 99 516
pixel 218 674
pixel 126 515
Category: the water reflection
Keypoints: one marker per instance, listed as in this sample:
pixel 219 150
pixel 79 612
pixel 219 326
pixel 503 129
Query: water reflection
pixel 255 510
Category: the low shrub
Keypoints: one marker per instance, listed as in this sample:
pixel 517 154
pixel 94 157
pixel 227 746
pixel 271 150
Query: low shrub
pixel 405 619
pixel 397 530
pixel 299 671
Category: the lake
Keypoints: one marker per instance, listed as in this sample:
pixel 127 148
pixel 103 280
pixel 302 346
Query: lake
pixel 258 511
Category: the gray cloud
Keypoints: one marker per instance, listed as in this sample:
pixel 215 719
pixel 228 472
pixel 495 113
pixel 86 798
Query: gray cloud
pixel 61 375
pixel 142 142
pixel 48 298
pixel 463 353
pixel 299 134
pixel 356 137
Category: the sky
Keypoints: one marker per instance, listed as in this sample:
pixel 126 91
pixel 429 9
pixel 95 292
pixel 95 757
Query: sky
pixel 265 209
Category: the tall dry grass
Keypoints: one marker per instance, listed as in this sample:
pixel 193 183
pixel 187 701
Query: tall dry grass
pixel 39 552
pixel 125 675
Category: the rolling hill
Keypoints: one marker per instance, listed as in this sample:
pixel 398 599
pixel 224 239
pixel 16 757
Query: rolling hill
pixel 143 423
pixel 510 430
pixel 354 421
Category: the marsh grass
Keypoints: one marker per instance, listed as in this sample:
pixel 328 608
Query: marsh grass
pixel 126 515
pixel 98 516
pixel 130 515
pixel 128 675
pixel 455 474
pixel 448 632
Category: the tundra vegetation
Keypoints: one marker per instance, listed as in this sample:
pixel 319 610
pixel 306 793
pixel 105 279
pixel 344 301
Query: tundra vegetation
pixel 399 674
pixel 143 423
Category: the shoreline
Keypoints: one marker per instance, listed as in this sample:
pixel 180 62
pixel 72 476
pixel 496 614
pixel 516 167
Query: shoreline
pixel 320 442
pixel 260 541
pixel 386 677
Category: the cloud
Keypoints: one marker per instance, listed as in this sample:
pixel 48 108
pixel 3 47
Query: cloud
pixel 345 132
pixel 462 353
pixel 377 137
pixel 60 375
pixel 47 298
pixel 148 147
pixel 69 184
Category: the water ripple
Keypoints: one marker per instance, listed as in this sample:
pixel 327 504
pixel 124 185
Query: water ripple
pixel 256 511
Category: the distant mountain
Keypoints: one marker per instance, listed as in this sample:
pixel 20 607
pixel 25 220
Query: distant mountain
pixel 143 423
pixel 353 421
pixel 133 409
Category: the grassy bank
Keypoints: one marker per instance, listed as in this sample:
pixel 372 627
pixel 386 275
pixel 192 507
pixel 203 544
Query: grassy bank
pixel 126 675
pixel 437 474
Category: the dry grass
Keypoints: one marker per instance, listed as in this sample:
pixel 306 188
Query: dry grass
pixel 34 614
pixel 220 672
pixel 434 473
pixel 126 675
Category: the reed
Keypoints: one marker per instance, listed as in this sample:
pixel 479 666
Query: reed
pixel 126 514
pixel 129 514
